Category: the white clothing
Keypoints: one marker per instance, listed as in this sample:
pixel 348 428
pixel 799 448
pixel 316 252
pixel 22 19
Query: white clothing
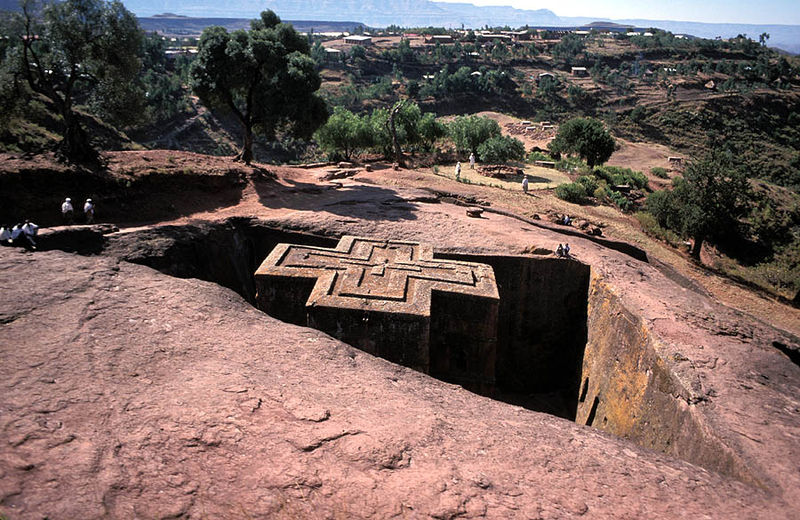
pixel 5 234
pixel 472 161
pixel 30 229
pixel 66 207
pixel 88 207
pixel 525 185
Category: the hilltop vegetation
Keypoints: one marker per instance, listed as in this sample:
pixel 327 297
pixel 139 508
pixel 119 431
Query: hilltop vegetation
pixel 413 92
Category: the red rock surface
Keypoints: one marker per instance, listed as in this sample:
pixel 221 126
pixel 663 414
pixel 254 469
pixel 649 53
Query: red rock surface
pixel 126 393
pixel 130 394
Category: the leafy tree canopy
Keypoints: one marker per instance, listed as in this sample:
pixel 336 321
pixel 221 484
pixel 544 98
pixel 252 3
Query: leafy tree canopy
pixel 586 138
pixel 264 77
pixel 73 48
pixel 501 149
pixel 344 134
pixel 707 202
pixel 469 132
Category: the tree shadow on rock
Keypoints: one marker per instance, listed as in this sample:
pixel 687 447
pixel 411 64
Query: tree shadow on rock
pixel 357 201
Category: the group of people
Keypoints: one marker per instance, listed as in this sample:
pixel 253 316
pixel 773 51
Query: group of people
pixel 23 234
pixel 68 212
pixel 562 251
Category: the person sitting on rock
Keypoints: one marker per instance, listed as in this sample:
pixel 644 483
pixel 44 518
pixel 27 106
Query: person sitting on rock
pixel 5 235
pixel 566 250
pixel 19 238
pixel 30 230
pixel 67 211
pixel 560 251
pixel 567 220
pixel 88 211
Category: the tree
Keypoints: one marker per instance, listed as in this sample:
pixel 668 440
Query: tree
pixel 501 149
pixel 73 47
pixel 264 77
pixel 430 129
pixel 391 126
pixel 469 132
pixel 344 133
pixel 706 202
pixel 585 137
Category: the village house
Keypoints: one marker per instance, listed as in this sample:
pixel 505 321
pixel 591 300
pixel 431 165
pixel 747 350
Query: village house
pixel 357 39
pixel 332 55
pixel 439 38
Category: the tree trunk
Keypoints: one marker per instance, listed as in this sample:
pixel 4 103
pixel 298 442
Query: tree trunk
pixel 75 146
pixel 697 247
pixel 398 151
pixel 246 154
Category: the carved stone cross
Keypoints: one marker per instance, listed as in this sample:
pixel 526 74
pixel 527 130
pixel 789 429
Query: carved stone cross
pixel 378 295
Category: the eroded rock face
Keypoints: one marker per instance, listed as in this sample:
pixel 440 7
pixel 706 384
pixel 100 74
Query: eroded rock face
pixel 128 393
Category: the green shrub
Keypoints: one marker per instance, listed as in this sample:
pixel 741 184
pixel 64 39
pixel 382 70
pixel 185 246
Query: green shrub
pixel 571 192
pixel 660 172
pixel 651 227
pixel 601 193
pixel 616 175
pixel 620 201
pixel 571 164
pixel 538 156
pixel 589 183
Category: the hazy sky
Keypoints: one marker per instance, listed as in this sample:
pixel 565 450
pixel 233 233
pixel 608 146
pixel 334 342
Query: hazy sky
pixel 734 11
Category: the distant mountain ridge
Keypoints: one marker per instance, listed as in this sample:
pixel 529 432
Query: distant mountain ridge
pixel 416 13
pixel 376 13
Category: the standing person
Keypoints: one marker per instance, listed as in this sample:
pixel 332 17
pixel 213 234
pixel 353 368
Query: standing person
pixel 88 211
pixel 67 211
pixel 458 171
pixel 471 161
pixel 525 184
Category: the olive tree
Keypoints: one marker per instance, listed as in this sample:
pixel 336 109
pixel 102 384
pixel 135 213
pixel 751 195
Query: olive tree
pixel 706 202
pixel 72 48
pixel 586 138
pixel 501 149
pixel 469 132
pixel 264 77
pixel 344 134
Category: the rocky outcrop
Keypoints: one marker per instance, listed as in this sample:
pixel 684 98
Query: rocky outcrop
pixel 128 393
